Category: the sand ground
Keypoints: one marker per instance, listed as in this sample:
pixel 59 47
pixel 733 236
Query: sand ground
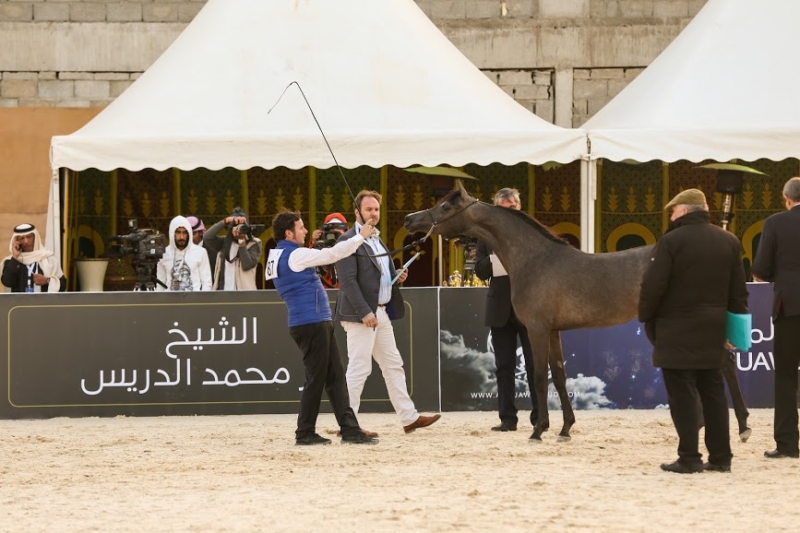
pixel 243 473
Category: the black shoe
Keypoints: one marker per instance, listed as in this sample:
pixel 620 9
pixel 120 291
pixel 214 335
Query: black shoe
pixel 358 438
pixel 682 468
pixel 311 440
pixel 717 467
pixel 505 426
pixel 777 454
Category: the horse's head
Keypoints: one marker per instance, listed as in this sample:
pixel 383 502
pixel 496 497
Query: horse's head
pixel 445 217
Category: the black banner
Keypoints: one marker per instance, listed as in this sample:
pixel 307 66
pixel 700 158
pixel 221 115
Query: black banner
pixel 606 367
pixel 138 353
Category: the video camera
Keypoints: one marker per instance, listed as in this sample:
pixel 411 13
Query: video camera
pixel 146 247
pixel 330 234
pixel 250 231
pixel 470 245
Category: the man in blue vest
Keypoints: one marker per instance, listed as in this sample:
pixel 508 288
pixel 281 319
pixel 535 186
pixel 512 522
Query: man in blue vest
pixel 291 266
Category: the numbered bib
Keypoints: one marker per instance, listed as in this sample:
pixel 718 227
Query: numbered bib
pixel 271 270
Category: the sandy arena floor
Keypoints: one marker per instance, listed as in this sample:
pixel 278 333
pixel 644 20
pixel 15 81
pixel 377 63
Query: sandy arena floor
pixel 243 473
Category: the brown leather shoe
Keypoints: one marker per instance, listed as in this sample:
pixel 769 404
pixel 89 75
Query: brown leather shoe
pixel 370 434
pixel 421 422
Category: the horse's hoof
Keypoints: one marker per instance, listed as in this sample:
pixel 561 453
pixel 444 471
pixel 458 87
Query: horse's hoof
pixel 564 438
pixel 535 440
pixel 744 435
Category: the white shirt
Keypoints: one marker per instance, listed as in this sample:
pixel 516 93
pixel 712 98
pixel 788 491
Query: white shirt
pixel 303 258
pixel 385 293
pixel 230 268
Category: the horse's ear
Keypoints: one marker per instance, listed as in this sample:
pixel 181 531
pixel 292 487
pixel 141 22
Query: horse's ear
pixel 459 187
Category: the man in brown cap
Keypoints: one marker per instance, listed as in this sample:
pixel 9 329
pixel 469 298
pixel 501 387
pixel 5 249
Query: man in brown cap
pixel 695 277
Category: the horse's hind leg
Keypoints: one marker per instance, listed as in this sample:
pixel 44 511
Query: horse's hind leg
pixel 540 346
pixel 560 382
pixel 739 407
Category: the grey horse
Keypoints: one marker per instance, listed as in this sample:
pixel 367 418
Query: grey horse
pixel 554 287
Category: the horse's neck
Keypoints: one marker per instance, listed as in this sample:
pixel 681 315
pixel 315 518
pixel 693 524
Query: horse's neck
pixel 503 232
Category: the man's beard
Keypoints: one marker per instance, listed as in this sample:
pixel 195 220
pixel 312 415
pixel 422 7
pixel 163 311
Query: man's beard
pixel 181 244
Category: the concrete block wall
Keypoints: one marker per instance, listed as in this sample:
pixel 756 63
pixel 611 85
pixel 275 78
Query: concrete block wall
pixel 594 88
pixel 99 10
pixel 561 59
pixel 532 89
pixel 62 89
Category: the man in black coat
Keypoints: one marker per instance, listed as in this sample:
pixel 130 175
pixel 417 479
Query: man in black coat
pixel 695 278
pixel 778 261
pixel 505 327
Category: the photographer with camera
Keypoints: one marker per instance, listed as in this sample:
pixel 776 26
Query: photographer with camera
pixel 332 228
pixel 31 267
pixel 237 253
pixel 184 266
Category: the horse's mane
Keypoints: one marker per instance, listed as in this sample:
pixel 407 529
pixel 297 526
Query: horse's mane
pixel 523 216
pixel 538 226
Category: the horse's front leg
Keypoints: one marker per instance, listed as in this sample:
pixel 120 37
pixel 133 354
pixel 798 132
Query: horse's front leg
pixel 560 382
pixel 540 346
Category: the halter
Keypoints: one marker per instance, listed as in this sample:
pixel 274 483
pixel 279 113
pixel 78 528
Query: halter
pixel 434 223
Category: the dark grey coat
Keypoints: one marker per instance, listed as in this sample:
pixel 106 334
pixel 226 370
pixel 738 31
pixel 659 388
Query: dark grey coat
pixel 359 283
pixel 695 277
pixel 778 261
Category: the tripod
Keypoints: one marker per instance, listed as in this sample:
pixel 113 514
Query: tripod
pixel 145 279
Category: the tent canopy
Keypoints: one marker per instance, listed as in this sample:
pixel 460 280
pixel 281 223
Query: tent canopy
pixel 725 88
pixel 385 84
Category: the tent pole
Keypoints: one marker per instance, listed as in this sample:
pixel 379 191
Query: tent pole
pixel 53 237
pixel 588 198
pixel 441 259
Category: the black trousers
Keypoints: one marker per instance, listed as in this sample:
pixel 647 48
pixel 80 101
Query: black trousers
pixel 324 370
pixel 504 340
pixel 787 358
pixel 683 389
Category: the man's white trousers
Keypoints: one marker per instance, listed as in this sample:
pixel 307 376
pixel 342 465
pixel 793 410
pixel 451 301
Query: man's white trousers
pixel 363 344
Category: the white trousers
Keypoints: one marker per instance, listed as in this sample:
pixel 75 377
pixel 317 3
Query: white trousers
pixel 363 344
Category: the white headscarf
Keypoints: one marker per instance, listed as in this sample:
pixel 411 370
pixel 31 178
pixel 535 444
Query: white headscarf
pixel 47 261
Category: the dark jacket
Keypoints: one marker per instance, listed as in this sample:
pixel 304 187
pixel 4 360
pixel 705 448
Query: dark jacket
pixel 15 276
pixel 359 285
pixel 498 300
pixel 219 248
pixel 695 277
pixel 778 261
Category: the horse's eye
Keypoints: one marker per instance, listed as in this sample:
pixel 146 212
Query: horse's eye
pixel 445 207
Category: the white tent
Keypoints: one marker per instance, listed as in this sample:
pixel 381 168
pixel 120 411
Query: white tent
pixel 726 88
pixel 386 85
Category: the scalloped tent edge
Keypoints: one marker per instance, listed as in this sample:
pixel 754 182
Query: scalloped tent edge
pixel 387 87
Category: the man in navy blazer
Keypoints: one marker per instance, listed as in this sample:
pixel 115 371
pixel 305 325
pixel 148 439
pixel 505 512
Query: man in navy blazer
pixel 366 305
pixel 778 261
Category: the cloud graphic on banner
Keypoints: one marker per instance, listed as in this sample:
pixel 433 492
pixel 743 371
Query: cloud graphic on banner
pixel 586 392
pixel 471 367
